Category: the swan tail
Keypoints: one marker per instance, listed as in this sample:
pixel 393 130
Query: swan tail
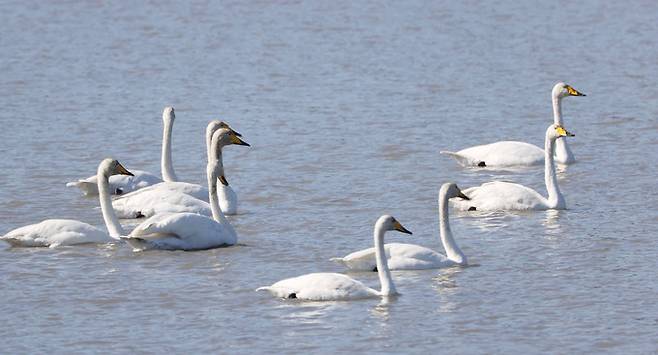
pixel 264 288
pixel 338 260
pixel 138 244
pixel 13 241
pixel 88 188
pixel 460 158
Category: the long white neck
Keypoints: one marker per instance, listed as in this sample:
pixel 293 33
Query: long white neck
pixel 555 198
pixel 209 131
pixel 217 213
pixel 557 109
pixel 385 279
pixel 216 167
pixel 111 221
pixel 452 250
pixel 166 164
pixel 563 153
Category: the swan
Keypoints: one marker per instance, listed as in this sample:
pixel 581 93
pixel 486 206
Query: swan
pixel 513 153
pixel 414 257
pixel 339 287
pixel 177 197
pixel 55 232
pixel 140 179
pixel 190 231
pixel 498 195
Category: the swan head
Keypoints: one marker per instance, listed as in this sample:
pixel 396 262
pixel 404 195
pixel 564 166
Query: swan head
pixel 556 131
pixel 168 114
pixel 223 137
pixel 561 90
pixel 450 190
pixel 389 223
pixel 214 125
pixel 109 167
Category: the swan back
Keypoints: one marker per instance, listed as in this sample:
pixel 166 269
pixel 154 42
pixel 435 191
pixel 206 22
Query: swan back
pixel 453 252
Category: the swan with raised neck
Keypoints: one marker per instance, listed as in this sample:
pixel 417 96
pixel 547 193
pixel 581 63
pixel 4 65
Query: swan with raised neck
pixel 500 195
pixel 56 232
pixel 191 231
pixel 336 287
pixel 166 164
pixel 402 256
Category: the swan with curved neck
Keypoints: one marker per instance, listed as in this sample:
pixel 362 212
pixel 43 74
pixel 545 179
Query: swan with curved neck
pixel 191 231
pixel 336 287
pixel 119 185
pixel 180 196
pixel 513 153
pixel 56 232
pixel 403 256
pixel 500 195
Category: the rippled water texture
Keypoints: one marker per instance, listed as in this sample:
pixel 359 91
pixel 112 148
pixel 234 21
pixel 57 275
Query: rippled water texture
pixel 346 105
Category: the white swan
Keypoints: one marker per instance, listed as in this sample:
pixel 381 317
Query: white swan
pixel 414 257
pixel 336 287
pixel 177 197
pixel 513 153
pixel 56 232
pixel 500 195
pixel 190 231
pixel 124 184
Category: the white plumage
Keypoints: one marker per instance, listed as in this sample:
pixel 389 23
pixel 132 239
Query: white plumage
pixel 124 184
pixel 513 153
pixel 402 256
pixel 191 231
pixel 57 232
pixel 178 197
pixel 339 287
pixel 499 195
pixel 181 231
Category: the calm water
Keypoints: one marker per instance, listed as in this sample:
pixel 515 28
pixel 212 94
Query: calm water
pixel 346 106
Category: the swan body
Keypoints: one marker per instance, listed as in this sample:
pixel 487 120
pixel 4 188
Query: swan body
pixel 339 287
pixel 513 153
pixel 119 184
pixel 322 286
pixel 499 195
pixel 191 231
pixel 402 256
pixel 157 202
pixel 177 196
pixel 181 231
pixel 59 232
pixel 124 184
pixel 499 154
pixel 56 232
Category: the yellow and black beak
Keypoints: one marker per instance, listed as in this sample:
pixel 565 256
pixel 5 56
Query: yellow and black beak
pixel 235 132
pixel 123 171
pixel 236 140
pixel 563 132
pixel 223 180
pixel 400 228
pixel 574 92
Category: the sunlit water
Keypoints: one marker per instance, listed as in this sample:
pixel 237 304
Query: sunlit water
pixel 346 105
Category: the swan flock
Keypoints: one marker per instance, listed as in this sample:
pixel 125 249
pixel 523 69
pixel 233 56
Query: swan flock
pixel 179 215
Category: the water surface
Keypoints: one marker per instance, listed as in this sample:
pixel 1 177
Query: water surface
pixel 346 105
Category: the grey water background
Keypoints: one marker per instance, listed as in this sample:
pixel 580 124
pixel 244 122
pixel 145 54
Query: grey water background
pixel 346 105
